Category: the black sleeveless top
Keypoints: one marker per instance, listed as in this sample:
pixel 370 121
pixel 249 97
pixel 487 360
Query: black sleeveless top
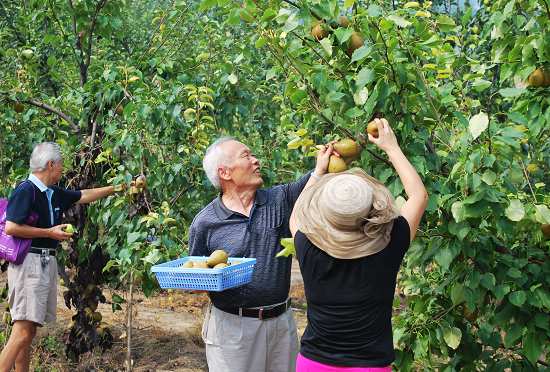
pixel 349 302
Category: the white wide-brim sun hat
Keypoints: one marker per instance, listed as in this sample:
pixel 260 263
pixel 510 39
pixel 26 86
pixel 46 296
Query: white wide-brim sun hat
pixel 348 215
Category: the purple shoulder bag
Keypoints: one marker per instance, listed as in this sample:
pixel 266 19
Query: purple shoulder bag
pixel 14 249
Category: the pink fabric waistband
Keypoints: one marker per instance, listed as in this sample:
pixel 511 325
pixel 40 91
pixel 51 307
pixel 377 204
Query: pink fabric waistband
pixel 304 364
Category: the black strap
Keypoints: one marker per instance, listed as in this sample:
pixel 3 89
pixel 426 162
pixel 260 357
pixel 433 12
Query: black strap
pixel 259 313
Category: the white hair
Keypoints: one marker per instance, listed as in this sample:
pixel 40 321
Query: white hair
pixel 42 154
pixel 213 158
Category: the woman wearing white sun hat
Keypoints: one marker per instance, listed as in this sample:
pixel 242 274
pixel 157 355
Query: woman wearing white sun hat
pixel 350 240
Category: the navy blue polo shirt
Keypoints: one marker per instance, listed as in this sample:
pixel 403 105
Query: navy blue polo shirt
pixel 20 205
pixel 258 236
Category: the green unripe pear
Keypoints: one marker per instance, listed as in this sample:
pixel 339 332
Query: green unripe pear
pixel 27 53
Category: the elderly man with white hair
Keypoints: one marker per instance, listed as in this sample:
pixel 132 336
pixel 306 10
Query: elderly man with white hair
pixel 249 328
pixel 32 285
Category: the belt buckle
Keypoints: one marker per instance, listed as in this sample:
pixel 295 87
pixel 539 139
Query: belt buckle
pixel 44 257
pixel 261 313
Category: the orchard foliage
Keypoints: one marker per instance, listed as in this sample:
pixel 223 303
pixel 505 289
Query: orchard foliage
pixel 131 87
pixel 474 290
pixel 127 88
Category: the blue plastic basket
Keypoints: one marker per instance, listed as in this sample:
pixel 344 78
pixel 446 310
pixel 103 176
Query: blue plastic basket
pixel 171 275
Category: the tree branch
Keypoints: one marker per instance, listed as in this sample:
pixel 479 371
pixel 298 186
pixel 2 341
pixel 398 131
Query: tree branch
pixel 78 45
pixel 53 110
pixel 98 8
pixel 386 54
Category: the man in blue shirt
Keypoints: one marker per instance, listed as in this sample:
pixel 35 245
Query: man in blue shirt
pixel 249 328
pixel 33 284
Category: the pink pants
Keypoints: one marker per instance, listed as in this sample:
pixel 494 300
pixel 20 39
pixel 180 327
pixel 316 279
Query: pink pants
pixel 304 364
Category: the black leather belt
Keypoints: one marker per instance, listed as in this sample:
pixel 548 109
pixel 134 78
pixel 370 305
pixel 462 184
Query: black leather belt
pixel 260 313
pixel 41 250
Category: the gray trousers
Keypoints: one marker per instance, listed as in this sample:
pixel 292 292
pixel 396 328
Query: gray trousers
pixel 241 344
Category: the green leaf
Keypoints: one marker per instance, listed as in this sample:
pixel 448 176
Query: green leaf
pixel 399 21
pixel 207 4
pixel 354 112
pixel 511 92
pixel 291 23
pixel 360 53
pixel 514 273
pixel 515 211
pixel 452 337
pixel 298 96
pixel 268 15
pixel 501 290
pixel 444 257
pixel 111 263
pixel 488 281
pixel 517 298
pixel 509 8
pixel 542 213
pixel 132 237
pixel 532 347
pixel 364 77
pixel 489 177
pixel 374 10
pixel 458 211
pixel 288 248
pixel 457 294
pixel 152 257
pixel 518 118
pixel 335 96
pixel 117 299
pixel 343 34
pixel 294 144
pixel 348 3
pixel 326 43
pixel 513 334
pixel 260 42
pixel 480 85
pixel 478 123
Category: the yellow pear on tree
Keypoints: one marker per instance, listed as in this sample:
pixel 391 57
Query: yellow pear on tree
pixel 18 107
pixel 355 42
pixel 318 31
pixel 336 164
pixel 372 129
pixel 347 148
pixel 343 21
pixel 539 78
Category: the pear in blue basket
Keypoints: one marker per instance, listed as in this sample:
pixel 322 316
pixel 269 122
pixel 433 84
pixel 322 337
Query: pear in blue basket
pixel 217 257
pixel 188 264
pixel 200 265
pixel 220 265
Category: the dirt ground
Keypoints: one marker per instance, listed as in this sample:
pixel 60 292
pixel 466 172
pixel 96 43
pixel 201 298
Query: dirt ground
pixel 165 337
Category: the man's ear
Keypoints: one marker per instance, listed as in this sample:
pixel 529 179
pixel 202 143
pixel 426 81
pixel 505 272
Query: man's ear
pixel 224 173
